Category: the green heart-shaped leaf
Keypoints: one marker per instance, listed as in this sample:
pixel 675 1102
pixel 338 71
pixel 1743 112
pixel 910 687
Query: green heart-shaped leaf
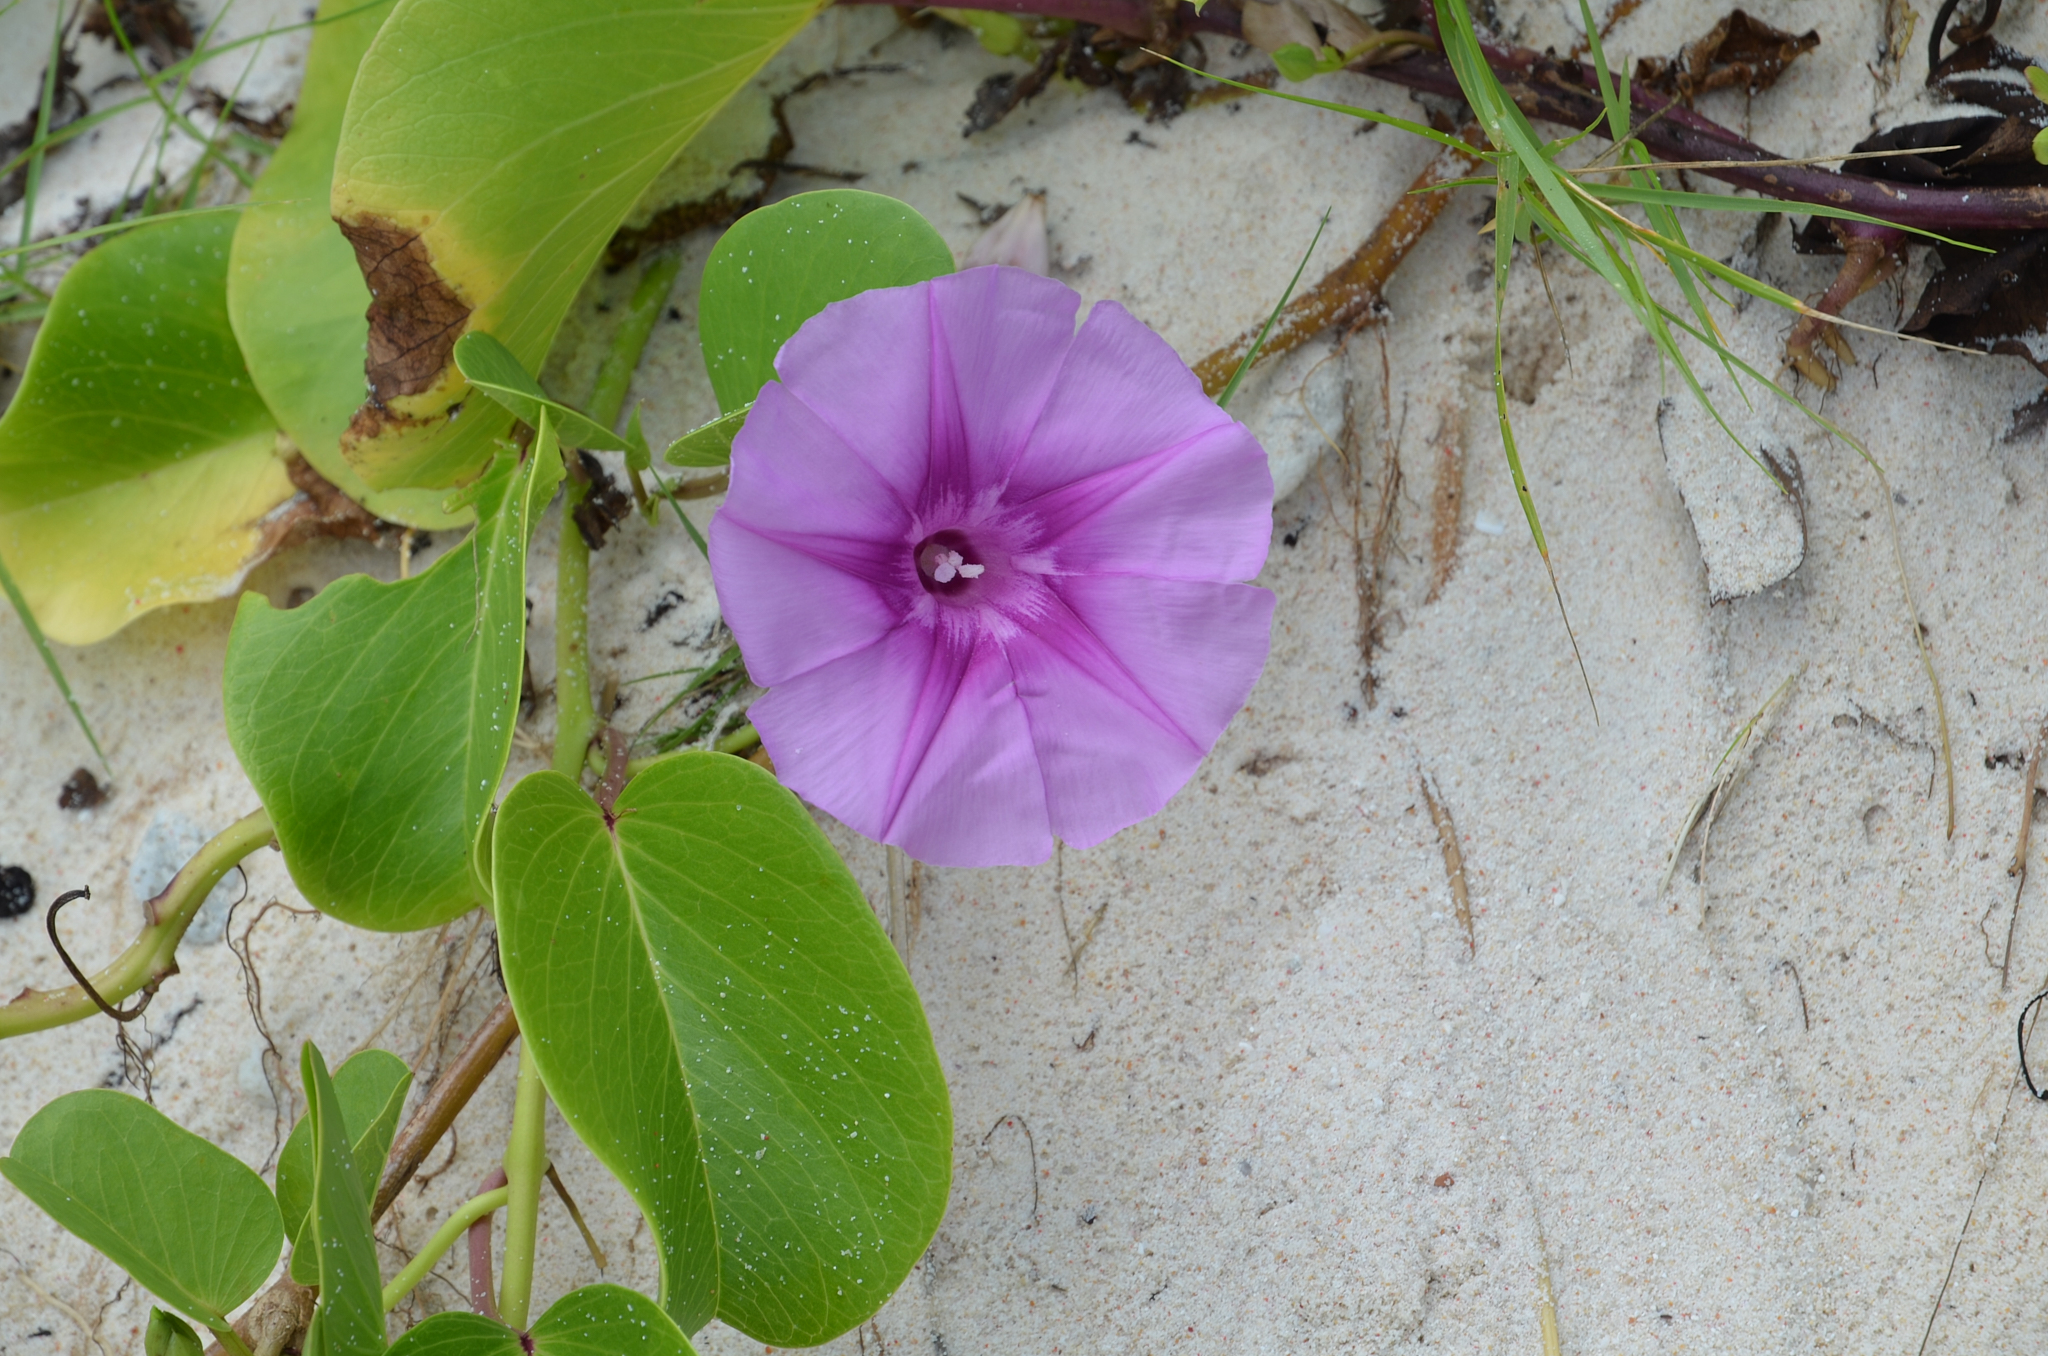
pixel 778 267
pixel 597 1320
pixel 488 154
pixel 372 1088
pixel 375 720
pixel 724 1024
pixel 350 1318
pixel 295 295
pixel 189 1221
pixel 137 461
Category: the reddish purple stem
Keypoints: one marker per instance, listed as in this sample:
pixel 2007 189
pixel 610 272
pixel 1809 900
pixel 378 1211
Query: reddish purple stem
pixel 482 1297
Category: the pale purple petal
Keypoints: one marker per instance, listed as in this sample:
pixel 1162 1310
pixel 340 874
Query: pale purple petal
pixel 1127 693
pixel 864 366
pixel 914 743
pixel 1198 511
pixel 985 565
pixel 790 611
pixel 1122 394
pixel 1001 333
pixel 793 473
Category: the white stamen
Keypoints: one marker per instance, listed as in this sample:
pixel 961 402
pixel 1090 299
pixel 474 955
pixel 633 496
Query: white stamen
pixel 949 565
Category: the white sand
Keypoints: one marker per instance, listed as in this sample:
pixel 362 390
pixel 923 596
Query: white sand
pixel 1749 1116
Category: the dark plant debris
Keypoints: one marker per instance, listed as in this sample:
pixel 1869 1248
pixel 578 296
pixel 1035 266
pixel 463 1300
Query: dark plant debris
pixel 1737 53
pixel 158 27
pixel 81 791
pixel 17 891
pixel 604 504
pixel 1103 59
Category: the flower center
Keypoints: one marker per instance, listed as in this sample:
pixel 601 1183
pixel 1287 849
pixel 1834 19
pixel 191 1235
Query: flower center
pixel 947 562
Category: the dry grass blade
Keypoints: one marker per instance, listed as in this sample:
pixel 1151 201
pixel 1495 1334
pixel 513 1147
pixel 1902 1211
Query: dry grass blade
pixel 2018 865
pixel 1775 163
pixel 1454 870
pixel 1733 761
pixel 1446 503
pixel 1346 294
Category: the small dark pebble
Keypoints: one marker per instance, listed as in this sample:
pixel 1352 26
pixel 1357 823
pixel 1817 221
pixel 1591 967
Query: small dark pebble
pixel 1086 1214
pixel 17 891
pixel 81 791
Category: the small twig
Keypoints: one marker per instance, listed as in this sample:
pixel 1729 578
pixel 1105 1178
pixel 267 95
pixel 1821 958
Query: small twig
pixel 569 1204
pixel 1805 1019
pixel 1029 1139
pixel 2018 866
pixel 1348 293
pixel 437 1111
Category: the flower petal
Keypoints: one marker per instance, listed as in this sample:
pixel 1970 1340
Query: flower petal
pixel 1130 687
pixel 1199 511
pixel 1122 394
pixel 918 743
pixel 1000 335
pixel 790 611
pixel 793 473
pixel 862 367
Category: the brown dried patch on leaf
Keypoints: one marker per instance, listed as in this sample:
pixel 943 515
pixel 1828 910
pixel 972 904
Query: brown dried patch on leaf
pixel 1738 52
pixel 415 315
pixel 318 510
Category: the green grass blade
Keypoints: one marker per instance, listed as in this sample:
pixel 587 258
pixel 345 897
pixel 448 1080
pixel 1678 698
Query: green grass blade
pixel 1251 354
pixel 1422 130
pixel 42 644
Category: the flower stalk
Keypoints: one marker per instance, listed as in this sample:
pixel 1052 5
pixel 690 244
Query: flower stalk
pixel 526 1167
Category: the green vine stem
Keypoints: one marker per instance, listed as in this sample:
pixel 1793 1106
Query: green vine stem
pixel 629 342
pixel 153 956
pixel 526 1167
pixel 575 715
pixel 231 1341
pixel 437 1247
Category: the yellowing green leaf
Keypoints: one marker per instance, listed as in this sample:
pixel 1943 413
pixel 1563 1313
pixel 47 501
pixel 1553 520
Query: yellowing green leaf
pixel 137 461
pixel 295 296
pixel 487 155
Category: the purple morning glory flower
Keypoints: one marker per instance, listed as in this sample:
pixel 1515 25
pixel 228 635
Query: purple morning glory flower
pixel 986 566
